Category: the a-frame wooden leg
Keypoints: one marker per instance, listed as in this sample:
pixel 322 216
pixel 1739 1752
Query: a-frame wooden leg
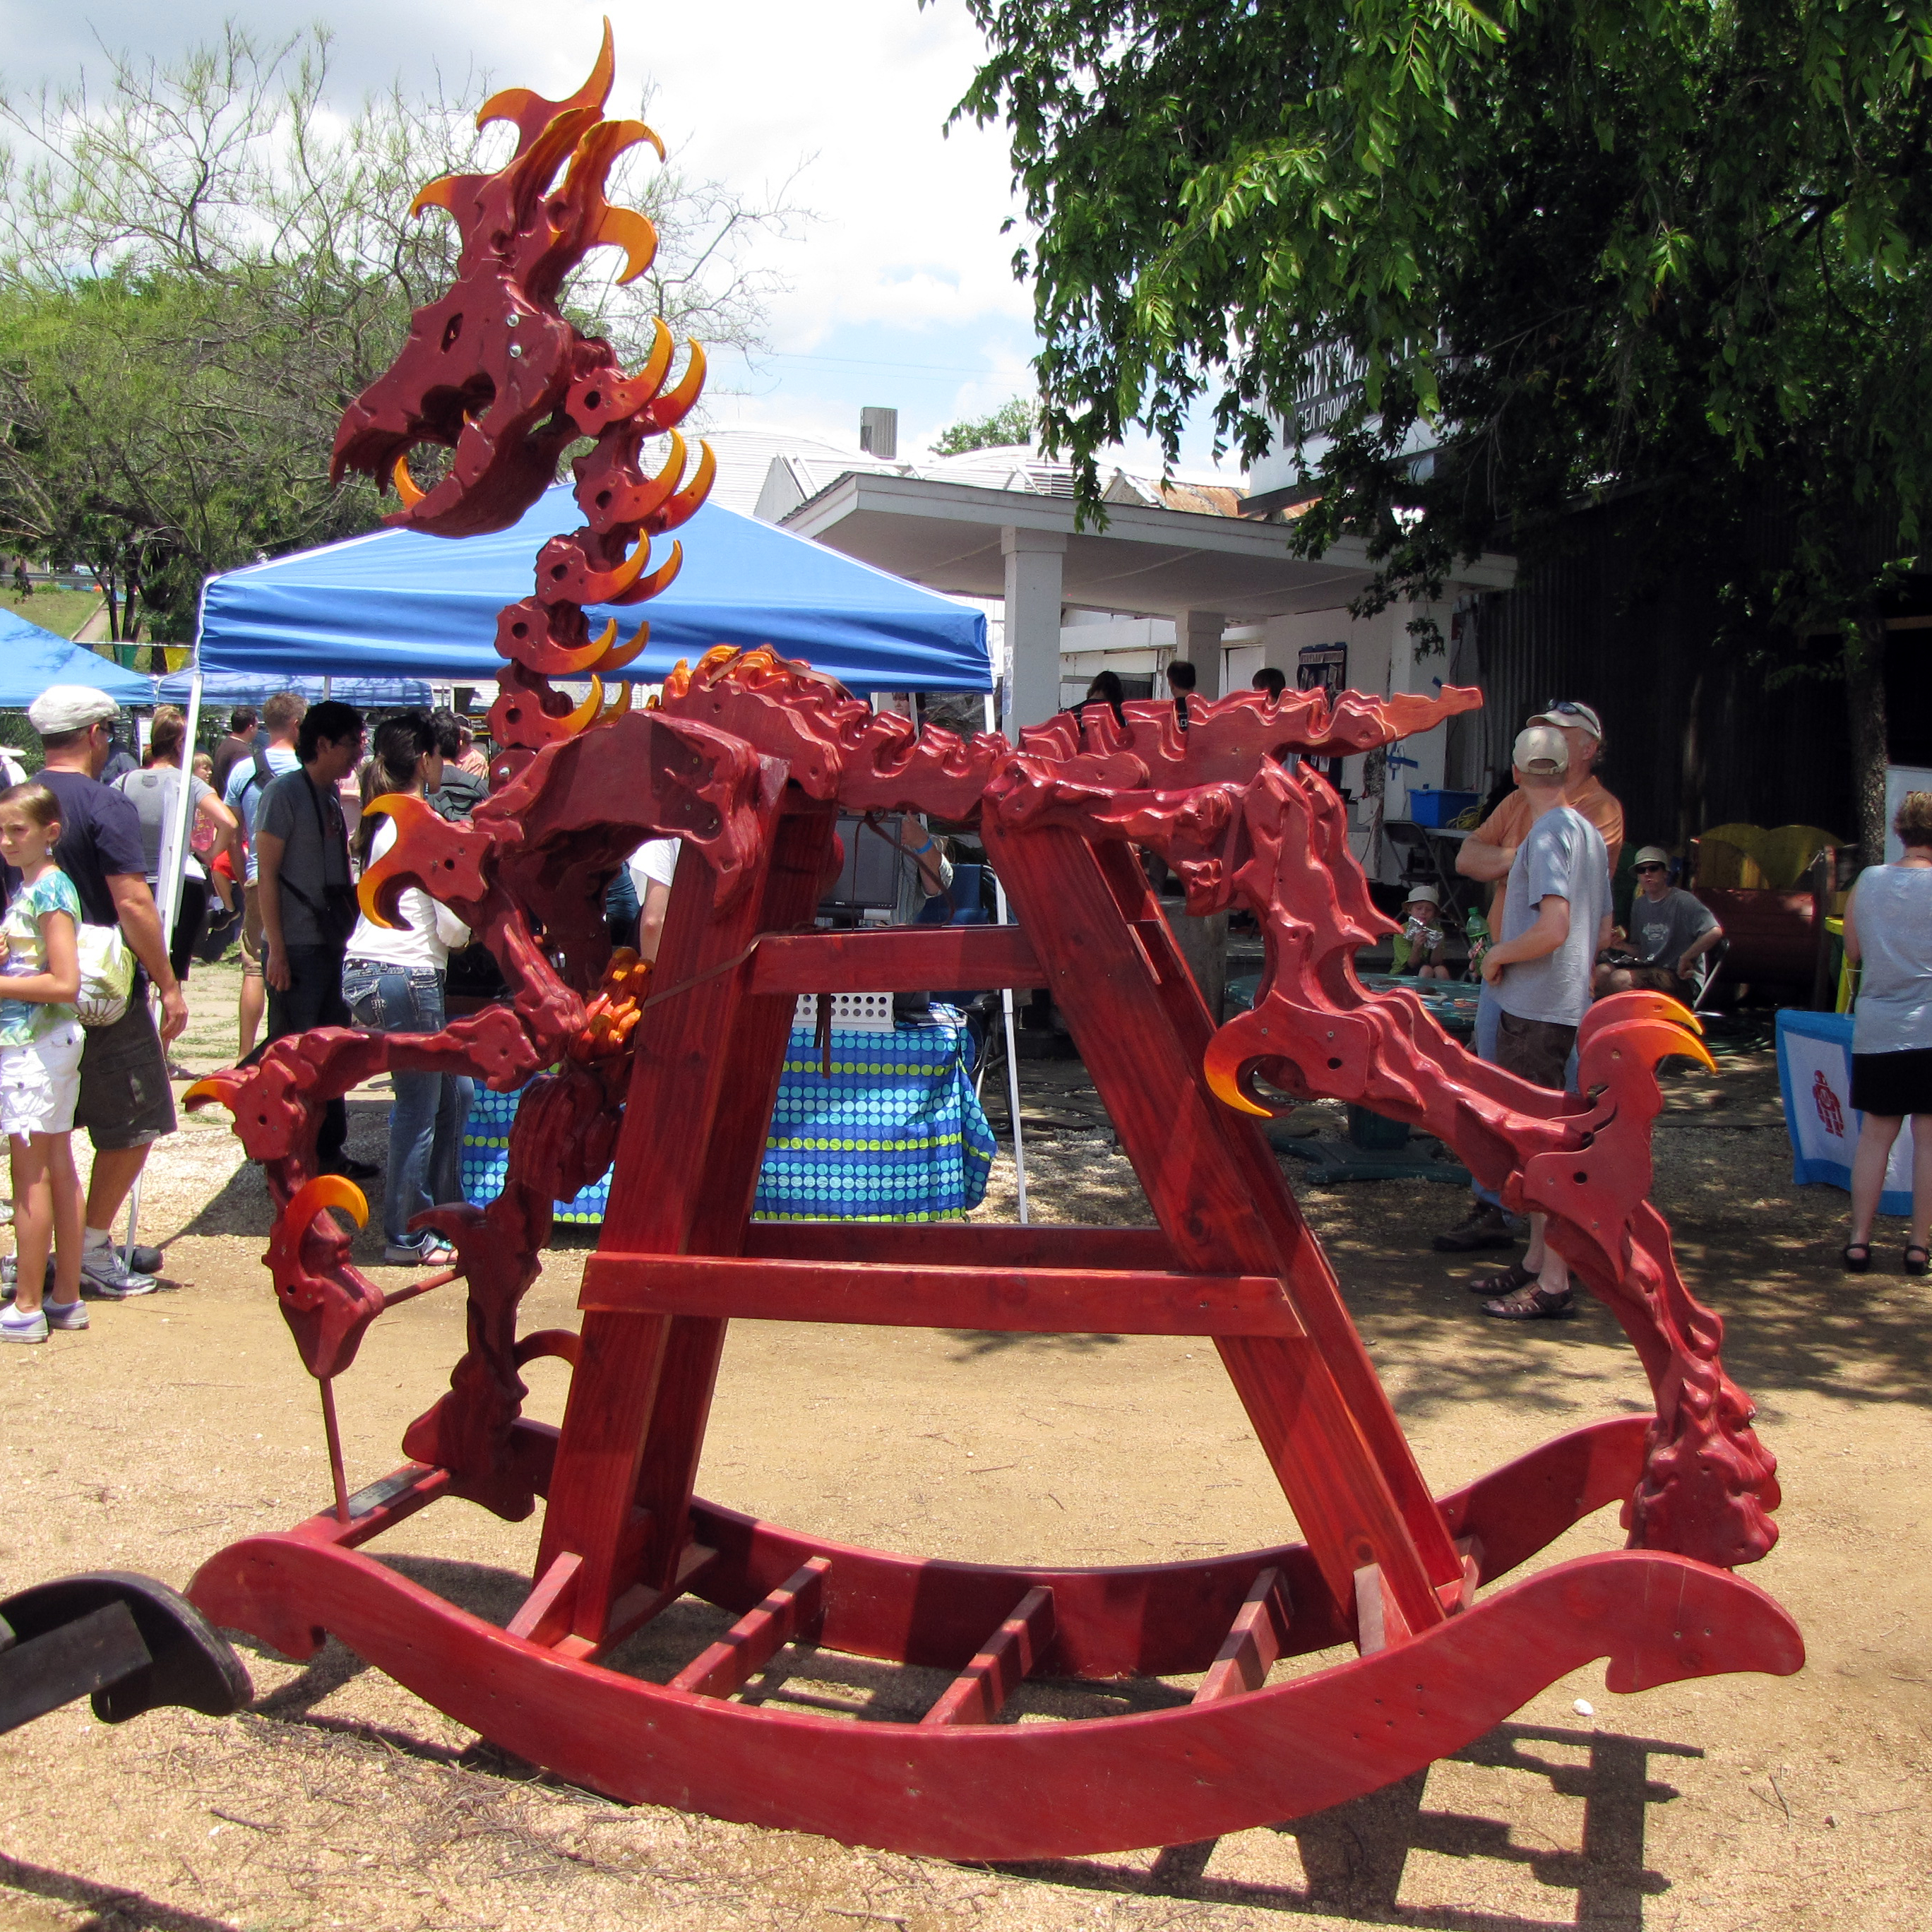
pixel 709 1054
pixel 1224 1213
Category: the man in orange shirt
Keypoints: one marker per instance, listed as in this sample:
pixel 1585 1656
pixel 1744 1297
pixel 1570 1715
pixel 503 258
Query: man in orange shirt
pixel 1488 853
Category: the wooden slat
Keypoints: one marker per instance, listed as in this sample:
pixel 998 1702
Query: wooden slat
pixel 1040 1301
pixel 980 1693
pixel 39 1674
pixel 637 1605
pixel 794 1609
pixel 902 959
pixel 963 1244
pixel 544 1614
pixel 1379 1622
pixel 1254 1641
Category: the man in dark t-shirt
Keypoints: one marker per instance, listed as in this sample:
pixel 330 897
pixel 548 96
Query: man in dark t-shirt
pixel 308 898
pixel 126 1104
pixel 239 742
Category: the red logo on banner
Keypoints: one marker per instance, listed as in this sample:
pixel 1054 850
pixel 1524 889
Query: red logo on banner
pixel 1826 1102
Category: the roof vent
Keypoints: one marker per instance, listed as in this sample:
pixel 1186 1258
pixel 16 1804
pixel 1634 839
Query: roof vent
pixel 879 433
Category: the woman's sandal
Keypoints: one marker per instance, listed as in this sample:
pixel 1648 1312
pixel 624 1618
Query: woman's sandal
pixel 1920 1265
pixel 1505 1281
pixel 1539 1306
pixel 1856 1257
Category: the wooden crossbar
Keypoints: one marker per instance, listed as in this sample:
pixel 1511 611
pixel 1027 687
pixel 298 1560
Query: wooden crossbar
pixel 901 959
pixel 794 1609
pixel 1253 1642
pixel 963 1244
pixel 980 1691
pixel 1044 1301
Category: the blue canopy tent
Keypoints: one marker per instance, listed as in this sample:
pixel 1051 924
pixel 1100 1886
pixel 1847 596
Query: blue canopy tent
pixel 32 658
pixel 223 688
pixel 399 604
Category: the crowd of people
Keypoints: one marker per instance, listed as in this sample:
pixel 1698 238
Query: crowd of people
pixel 270 852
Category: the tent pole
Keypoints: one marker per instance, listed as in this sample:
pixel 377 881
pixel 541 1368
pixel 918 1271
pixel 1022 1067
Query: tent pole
pixel 173 866
pixel 1012 1054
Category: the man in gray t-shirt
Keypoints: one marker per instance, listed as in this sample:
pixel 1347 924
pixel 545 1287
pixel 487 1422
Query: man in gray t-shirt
pixel 1670 932
pixel 1556 919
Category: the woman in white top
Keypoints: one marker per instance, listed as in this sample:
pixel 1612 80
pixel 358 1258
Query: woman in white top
pixel 392 982
pixel 1888 933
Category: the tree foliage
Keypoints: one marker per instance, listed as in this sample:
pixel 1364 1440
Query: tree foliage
pixel 202 265
pixel 1677 253
pixel 1014 422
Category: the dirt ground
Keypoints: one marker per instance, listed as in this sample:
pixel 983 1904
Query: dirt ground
pixel 180 1423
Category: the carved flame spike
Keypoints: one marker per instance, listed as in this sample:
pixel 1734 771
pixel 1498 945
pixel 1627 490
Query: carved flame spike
pixel 690 499
pixel 619 655
pixel 586 714
pixel 531 113
pixel 677 680
pixel 1658 1038
pixel 407 487
pixel 408 811
pixel 625 228
pixel 221 1087
pixel 325 1190
pixel 620 705
pixel 674 405
pixel 441 194
pixel 643 588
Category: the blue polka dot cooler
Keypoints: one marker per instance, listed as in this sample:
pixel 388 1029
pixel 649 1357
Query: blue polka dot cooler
pixel 896 1134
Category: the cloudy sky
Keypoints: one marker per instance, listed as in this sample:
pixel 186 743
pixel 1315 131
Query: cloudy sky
pixel 900 292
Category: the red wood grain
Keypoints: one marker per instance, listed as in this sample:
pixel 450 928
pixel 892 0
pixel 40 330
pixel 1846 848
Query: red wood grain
pixel 900 959
pixel 995 1671
pixel 963 1244
pixel 1005 1791
pixel 792 1610
pixel 1048 1301
pixel 1225 1215
pixel 1253 1642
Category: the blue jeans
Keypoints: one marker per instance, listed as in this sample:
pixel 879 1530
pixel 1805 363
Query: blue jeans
pixel 426 1124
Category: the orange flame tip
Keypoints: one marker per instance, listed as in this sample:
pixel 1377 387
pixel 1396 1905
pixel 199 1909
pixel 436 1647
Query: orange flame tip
pixel 620 706
pixel 326 1190
pixel 439 194
pixel 625 228
pixel 585 713
pixel 618 657
pixel 221 1087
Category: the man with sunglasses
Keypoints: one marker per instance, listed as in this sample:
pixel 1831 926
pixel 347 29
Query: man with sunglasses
pixel 1488 853
pixel 1670 932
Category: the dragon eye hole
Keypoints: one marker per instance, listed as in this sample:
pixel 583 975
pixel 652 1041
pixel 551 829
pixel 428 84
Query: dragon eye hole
pixel 451 329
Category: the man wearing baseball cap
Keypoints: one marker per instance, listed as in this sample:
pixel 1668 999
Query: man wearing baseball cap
pixel 1670 932
pixel 1556 919
pixel 126 1104
pixel 1487 854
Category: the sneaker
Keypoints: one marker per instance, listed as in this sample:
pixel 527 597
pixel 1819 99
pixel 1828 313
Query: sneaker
pixel 64 1314
pixel 1484 1226
pixel 103 1270
pixel 431 1254
pixel 10 1270
pixel 15 1327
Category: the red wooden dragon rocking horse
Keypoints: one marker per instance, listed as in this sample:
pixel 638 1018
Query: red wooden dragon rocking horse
pixel 672 1077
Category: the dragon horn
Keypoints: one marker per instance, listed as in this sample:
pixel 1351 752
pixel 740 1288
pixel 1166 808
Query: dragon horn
pixel 625 228
pixel 674 405
pixel 644 587
pixel 690 499
pixel 408 811
pixel 1228 1053
pixel 1659 1039
pixel 619 655
pixel 620 705
pixel 586 713
pixel 222 1087
pixel 325 1190
pixel 406 486
pixel 657 364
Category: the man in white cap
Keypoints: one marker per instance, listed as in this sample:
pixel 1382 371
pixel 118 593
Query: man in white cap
pixel 126 1104
pixel 1670 932
pixel 1556 921
pixel 1487 854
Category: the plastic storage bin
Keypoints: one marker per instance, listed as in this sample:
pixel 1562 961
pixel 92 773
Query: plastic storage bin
pixel 1438 807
